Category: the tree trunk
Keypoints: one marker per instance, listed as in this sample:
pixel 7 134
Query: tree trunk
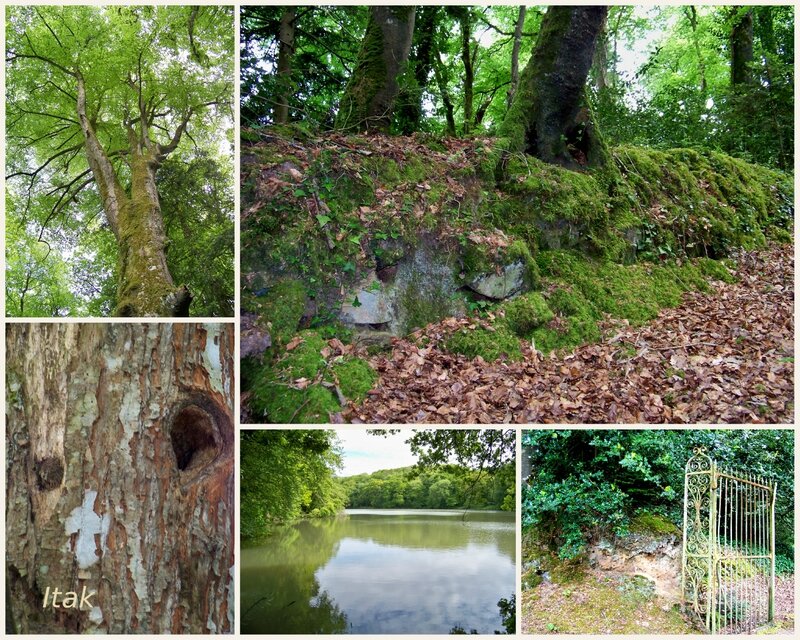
pixel 515 54
pixel 422 57
pixel 449 109
pixel 600 62
pixel 742 48
pixel 145 286
pixel 549 117
pixel 368 101
pixel 691 14
pixel 285 53
pixel 465 24
pixel 120 453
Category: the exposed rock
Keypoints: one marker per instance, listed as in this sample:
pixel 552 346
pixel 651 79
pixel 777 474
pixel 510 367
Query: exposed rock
pixel 254 340
pixel 560 234
pixel 499 286
pixel 657 559
pixel 373 306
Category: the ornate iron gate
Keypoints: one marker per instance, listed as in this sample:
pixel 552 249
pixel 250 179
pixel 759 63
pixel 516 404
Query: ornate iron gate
pixel 728 572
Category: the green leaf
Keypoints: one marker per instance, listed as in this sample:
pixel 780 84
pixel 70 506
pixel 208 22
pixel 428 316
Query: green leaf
pixel 356 302
pixel 322 220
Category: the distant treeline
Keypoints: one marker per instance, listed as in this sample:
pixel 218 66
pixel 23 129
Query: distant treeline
pixel 446 487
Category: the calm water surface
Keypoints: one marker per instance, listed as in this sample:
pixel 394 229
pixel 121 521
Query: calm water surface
pixel 381 571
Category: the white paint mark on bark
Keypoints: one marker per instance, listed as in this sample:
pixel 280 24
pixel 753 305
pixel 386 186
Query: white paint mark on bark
pixel 136 567
pixel 211 358
pixel 86 523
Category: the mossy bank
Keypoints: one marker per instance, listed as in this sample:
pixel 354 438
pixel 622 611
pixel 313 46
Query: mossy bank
pixel 372 236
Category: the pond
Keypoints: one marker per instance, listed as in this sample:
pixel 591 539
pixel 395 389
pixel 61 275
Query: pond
pixel 381 571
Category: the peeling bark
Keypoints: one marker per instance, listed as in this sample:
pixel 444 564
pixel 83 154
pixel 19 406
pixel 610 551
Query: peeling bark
pixel 120 453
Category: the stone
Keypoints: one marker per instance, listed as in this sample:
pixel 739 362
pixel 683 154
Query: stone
pixel 374 303
pixel 499 286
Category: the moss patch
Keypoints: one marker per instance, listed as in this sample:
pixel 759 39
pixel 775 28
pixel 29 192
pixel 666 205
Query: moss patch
pixel 599 603
pixel 526 312
pixel 652 523
pixel 279 308
pixel 292 389
pixel 489 345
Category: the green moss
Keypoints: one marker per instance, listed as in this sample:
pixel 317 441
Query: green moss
pixel 355 378
pixel 574 324
pixel 291 390
pixel 715 269
pixel 280 309
pixel 489 345
pixel 652 523
pixel 526 312
pixel 518 251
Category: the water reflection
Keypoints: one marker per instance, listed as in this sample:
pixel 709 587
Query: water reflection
pixel 381 572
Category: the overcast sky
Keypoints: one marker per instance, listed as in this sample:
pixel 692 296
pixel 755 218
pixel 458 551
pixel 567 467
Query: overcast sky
pixel 364 453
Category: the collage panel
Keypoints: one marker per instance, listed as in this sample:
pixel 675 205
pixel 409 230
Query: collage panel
pixel 503 214
pixel 119 161
pixel 658 532
pixel 371 532
pixel 120 514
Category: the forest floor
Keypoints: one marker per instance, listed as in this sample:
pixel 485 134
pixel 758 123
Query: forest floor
pixel 602 602
pixel 724 356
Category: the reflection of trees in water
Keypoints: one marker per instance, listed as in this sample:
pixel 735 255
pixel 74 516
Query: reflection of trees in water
pixel 280 593
pixel 437 533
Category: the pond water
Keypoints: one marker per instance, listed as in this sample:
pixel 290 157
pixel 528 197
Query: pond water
pixel 381 571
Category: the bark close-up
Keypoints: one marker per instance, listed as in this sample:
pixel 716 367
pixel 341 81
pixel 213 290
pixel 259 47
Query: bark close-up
pixel 120 454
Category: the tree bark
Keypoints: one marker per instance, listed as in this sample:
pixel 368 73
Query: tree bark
pixel 742 48
pixel 285 54
pixel 422 59
pixel 691 14
pixel 120 453
pixel 515 54
pixel 145 286
pixel 465 25
pixel 369 98
pixel 600 61
pixel 549 117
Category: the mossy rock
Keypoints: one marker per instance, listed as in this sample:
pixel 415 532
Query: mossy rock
pixel 279 308
pixel 276 394
pixel 653 524
pixel 525 313
pixel 489 345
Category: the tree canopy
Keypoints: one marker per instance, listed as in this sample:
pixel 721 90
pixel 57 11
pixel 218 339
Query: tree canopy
pixel 119 160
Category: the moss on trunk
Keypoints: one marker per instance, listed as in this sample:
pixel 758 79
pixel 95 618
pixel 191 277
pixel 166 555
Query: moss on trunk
pixel 368 101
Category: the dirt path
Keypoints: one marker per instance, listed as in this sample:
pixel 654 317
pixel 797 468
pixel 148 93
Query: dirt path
pixel 726 356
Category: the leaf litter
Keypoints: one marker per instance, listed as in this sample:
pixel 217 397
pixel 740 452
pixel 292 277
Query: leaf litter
pixel 720 357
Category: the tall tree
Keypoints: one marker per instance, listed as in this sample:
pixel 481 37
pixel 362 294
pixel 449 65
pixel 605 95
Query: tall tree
pixel 286 52
pixel 741 47
pixel 97 100
pixel 369 98
pixel 120 453
pixel 548 117
pixel 515 54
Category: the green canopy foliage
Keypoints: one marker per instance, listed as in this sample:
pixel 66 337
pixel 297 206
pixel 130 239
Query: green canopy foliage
pixel 445 487
pixel 588 481
pixel 287 474
pixel 178 62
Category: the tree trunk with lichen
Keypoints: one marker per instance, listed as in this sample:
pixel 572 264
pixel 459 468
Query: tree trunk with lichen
pixel 741 48
pixel 145 286
pixel 120 452
pixel 550 117
pixel 369 98
pixel 285 55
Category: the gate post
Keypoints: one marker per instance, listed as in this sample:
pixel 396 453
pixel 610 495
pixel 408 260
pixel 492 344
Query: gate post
pixel 698 550
pixel 771 612
pixel 712 550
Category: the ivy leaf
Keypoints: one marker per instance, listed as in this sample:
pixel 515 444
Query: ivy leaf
pixel 356 302
pixel 322 220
